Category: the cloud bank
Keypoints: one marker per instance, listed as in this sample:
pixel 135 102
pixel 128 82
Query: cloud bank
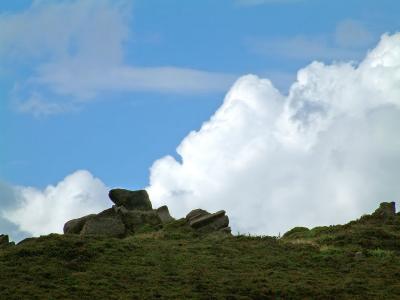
pixel 324 154
pixel 45 211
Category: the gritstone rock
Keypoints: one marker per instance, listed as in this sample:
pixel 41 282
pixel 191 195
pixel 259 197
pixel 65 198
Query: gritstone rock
pixel 133 213
pixel 204 221
pixel 75 226
pixel 131 199
pixel 163 214
pixel 106 223
pixel 133 219
pixel 196 213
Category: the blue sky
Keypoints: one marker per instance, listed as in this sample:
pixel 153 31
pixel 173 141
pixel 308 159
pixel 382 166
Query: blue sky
pixel 119 134
pixel 112 86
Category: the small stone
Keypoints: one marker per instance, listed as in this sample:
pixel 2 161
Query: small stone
pixel 358 255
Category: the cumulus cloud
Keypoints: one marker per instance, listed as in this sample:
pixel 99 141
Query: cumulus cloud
pixel 324 154
pixel 7 199
pixel 74 50
pixel 45 211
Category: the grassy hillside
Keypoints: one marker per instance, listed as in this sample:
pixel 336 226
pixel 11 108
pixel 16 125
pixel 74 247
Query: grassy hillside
pixel 359 260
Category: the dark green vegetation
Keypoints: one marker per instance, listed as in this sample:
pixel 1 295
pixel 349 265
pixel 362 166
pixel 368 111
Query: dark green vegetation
pixel 359 260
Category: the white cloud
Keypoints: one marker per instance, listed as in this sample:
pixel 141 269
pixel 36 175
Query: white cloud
pixel 39 107
pixel 45 211
pixel 75 49
pixel 82 81
pixel 324 154
pixel 348 42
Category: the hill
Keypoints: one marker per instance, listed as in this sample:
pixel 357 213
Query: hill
pixel 174 260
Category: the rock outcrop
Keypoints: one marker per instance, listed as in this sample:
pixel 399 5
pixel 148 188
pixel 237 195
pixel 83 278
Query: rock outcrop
pixel 163 214
pixel 204 221
pixel 133 211
pixel 386 210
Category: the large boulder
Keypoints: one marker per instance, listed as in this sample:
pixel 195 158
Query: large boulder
pixel 134 219
pixel 75 226
pixel 196 213
pixel 138 200
pixel 163 214
pixel 204 221
pixel 105 225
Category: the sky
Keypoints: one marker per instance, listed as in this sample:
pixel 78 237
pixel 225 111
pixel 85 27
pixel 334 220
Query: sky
pixel 282 112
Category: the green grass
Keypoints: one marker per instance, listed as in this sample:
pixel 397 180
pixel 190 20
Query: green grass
pixel 179 263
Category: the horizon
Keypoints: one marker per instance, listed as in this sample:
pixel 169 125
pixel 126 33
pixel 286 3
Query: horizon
pixel 282 113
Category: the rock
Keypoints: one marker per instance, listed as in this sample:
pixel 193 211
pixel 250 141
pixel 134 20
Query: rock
pixel 358 255
pixel 163 214
pixel 133 212
pixel 386 210
pixel 196 213
pixel 131 199
pixel 120 209
pixel 4 240
pixel 204 221
pixel 226 230
pixel 133 219
pixel 75 226
pixel 106 225
pixel 109 212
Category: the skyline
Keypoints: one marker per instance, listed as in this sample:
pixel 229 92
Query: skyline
pixel 113 88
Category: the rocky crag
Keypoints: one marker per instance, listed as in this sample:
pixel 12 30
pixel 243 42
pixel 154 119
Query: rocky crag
pixel 132 210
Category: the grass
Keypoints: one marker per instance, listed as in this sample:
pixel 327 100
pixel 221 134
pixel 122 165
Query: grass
pixel 356 261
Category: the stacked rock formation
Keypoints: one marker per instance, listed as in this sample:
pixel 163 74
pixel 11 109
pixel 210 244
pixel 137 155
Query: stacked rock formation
pixel 132 210
pixel 204 221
